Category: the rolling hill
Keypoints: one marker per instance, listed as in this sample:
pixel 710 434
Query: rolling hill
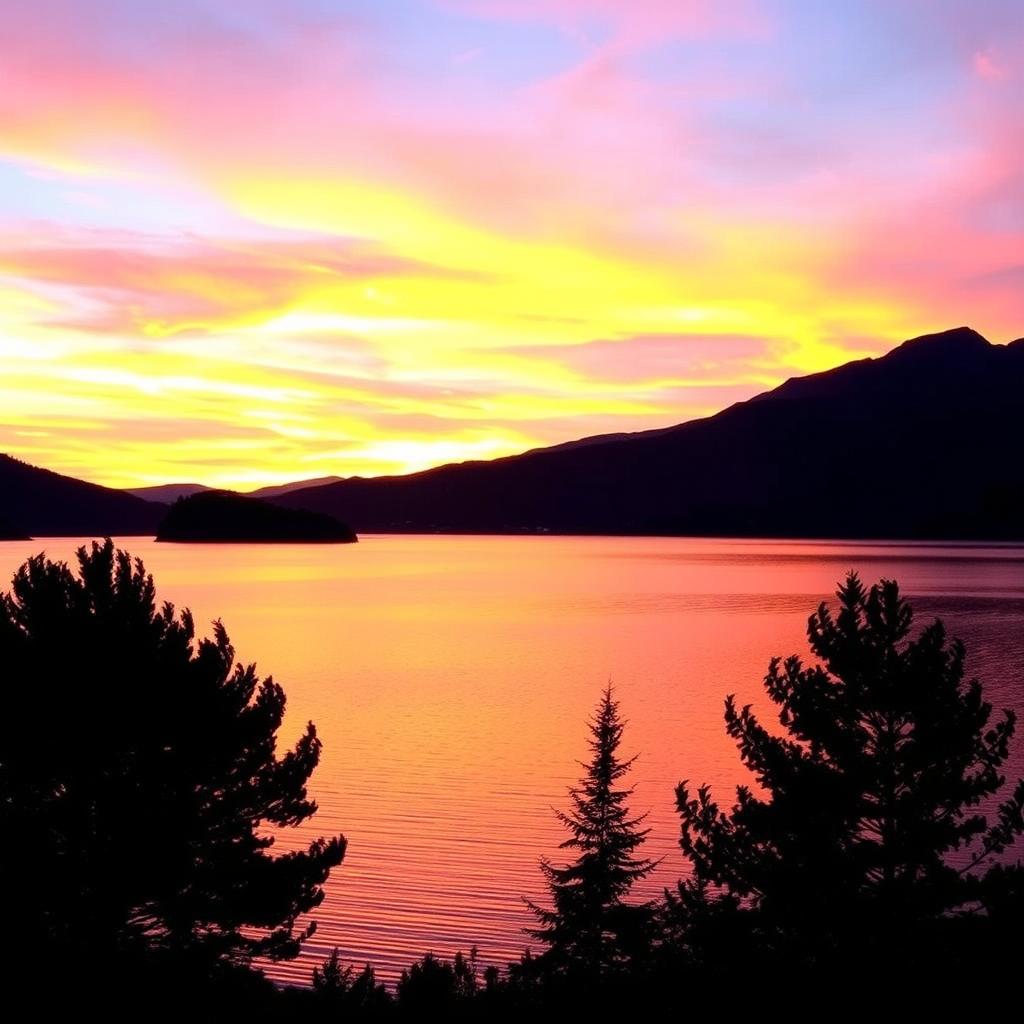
pixel 172 492
pixel 39 503
pixel 166 493
pixel 276 490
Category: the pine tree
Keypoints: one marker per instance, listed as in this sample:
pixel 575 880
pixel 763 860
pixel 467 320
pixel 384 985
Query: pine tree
pixel 140 783
pixel 433 985
pixel 332 978
pixel 885 755
pixel 589 928
pixel 337 988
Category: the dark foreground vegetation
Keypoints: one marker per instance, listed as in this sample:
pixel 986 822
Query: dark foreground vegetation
pixel 139 775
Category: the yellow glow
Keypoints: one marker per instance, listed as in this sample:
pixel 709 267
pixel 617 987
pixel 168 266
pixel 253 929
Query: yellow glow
pixel 440 353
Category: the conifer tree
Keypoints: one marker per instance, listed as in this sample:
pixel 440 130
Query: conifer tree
pixel 140 783
pixel 588 927
pixel 867 828
pixel 338 988
pixel 433 985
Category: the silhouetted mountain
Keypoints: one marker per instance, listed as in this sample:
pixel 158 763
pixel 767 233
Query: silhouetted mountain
pixel 38 503
pixel 276 490
pixel 226 517
pixel 922 442
pixel 166 493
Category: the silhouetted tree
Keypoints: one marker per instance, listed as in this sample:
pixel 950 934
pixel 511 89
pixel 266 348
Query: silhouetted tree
pixel 700 928
pixel 139 781
pixel 588 927
pixel 438 986
pixel 885 755
pixel 332 976
pixel 339 988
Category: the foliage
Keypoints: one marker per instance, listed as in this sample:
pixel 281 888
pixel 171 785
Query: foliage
pixel 438 985
pixel 589 928
pixel 869 823
pixel 139 779
pixel 337 986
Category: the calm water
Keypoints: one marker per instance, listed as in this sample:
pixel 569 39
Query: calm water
pixel 450 679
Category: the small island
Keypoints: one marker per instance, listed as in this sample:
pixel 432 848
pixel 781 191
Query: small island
pixel 223 517
pixel 8 531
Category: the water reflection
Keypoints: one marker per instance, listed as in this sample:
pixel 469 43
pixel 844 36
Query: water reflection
pixel 450 679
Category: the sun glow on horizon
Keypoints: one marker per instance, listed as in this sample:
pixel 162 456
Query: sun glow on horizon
pixel 252 246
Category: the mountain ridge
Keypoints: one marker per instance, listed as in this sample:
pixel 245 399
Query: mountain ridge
pixel 742 464
pixel 40 503
pixel 922 441
pixel 169 493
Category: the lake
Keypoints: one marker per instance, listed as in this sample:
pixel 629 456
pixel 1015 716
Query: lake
pixel 451 678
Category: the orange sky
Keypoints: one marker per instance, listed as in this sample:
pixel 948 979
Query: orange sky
pixel 243 246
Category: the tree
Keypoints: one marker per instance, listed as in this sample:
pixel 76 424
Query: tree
pixel 338 988
pixel 432 985
pixel 886 754
pixel 139 780
pixel 589 928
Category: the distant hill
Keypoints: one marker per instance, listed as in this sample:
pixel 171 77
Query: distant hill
pixel 923 442
pixel 226 517
pixel 278 489
pixel 166 493
pixel 38 503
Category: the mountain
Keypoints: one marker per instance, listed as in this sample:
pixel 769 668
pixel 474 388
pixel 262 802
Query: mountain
pixel 276 490
pixel 226 517
pixel 922 442
pixel 39 503
pixel 166 493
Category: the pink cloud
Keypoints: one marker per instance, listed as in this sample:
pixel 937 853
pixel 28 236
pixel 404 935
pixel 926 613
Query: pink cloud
pixel 130 280
pixel 590 154
pixel 950 240
pixel 698 360
pixel 987 66
pixel 597 154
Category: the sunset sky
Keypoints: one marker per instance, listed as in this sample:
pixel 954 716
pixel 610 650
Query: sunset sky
pixel 250 242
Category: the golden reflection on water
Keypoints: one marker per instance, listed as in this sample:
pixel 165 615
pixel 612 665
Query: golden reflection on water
pixel 450 679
